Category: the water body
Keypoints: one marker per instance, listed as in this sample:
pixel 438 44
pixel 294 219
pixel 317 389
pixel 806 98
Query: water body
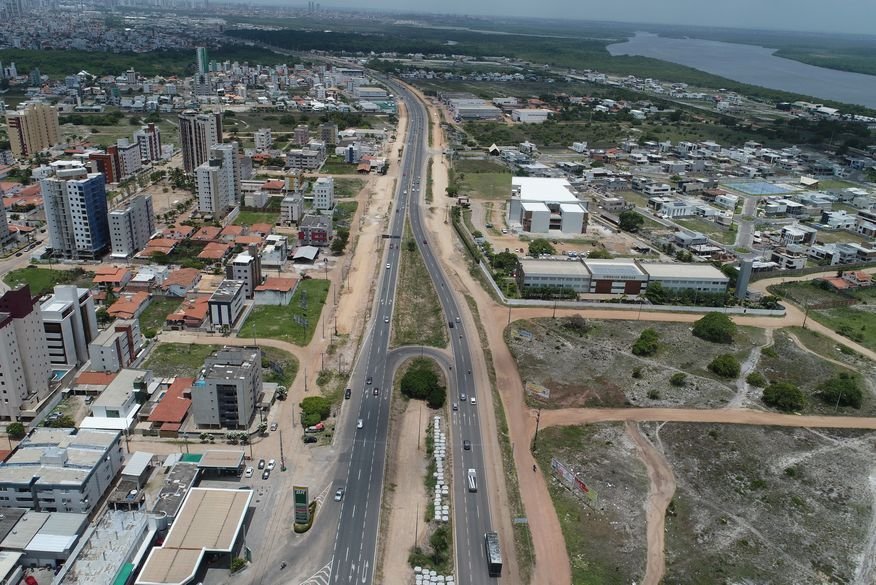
pixel 754 65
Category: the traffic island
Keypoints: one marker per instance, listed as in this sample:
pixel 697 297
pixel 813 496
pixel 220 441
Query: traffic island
pixel 311 513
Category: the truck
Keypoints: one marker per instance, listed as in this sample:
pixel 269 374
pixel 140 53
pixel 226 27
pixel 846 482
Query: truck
pixel 494 554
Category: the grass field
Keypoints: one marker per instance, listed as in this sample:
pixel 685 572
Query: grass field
pixel 805 293
pixel 178 359
pixel 479 166
pixel 153 317
pixel 43 280
pixel 486 185
pixel 253 217
pixel 282 366
pixel 708 228
pixel 348 187
pixel 278 323
pixel 855 324
pixel 335 165
pixel 841 237
pixel 417 318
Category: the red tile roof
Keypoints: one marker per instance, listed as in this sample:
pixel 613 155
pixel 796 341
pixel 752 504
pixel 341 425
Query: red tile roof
pixel 261 228
pixel 186 277
pixel 278 284
pixel 127 306
pixel 191 313
pixel 173 407
pixel 231 230
pixel 115 276
pixel 214 251
pixel 277 185
pixel 95 378
pixel 207 233
pixel 247 240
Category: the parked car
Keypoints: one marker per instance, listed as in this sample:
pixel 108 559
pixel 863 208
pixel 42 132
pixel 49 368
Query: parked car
pixel 347 393
pixel 261 463
pixel 248 472
pixel 266 474
pixel 273 426
pixel 271 464
pixel 309 439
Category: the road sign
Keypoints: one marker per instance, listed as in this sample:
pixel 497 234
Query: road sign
pixel 302 512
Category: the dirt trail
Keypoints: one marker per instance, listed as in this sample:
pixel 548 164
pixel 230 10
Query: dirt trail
pixel 660 492
pixel 799 344
pixel 748 366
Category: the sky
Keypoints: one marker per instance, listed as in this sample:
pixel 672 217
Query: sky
pixel 849 16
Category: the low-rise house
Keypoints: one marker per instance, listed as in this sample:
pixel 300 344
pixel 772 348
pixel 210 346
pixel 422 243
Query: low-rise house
pixel 788 260
pixel 207 233
pixel 215 252
pixel 116 408
pixel 111 278
pixel 180 282
pixel 129 305
pixel 168 415
pixel 275 291
pixel 191 314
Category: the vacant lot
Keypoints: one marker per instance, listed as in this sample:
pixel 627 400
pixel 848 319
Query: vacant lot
pixel 278 322
pixel 589 363
pixel 708 228
pixel 605 539
pixel 43 280
pixel 348 187
pixel 178 359
pixel 767 505
pixel 254 217
pixel 155 315
pixel 417 318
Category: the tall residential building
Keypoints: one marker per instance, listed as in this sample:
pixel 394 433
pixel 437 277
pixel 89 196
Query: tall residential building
pixel 246 267
pixel 324 193
pixel 5 234
pixel 129 157
pixel 148 138
pixel 131 226
pixel 203 62
pixel 328 133
pixel 24 358
pixel 32 128
pixel 263 140
pixel 76 213
pixel 227 394
pixel 218 180
pixel 108 163
pixel 70 324
pixel 301 135
pixel 198 133
pixel 116 347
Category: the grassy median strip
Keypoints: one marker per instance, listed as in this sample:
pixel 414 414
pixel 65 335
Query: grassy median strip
pixel 429 182
pixel 522 537
pixel 417 317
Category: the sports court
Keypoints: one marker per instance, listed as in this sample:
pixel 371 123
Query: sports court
pixel 761 188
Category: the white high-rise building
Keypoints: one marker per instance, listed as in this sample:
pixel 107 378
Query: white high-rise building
pixel 198 133
pixel 24 358
pixel 70 324
pixel 324 193
pixel 246 267
pixel 218 180
pixel 130 160
pixel 131 226
pixel 149 140
pixel 76 213
pixel 263 140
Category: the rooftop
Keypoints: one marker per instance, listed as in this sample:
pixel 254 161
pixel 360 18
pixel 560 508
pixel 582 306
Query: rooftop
pixel 623 268
pixel 173 406
pixel 671 270
pixel 533 267
pixel 120 388
pixel 276 283
pixel 226 291
pixel 219 459
pixel 547 190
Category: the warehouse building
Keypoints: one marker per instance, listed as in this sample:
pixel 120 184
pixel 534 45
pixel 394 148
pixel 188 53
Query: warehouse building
pixel 539 205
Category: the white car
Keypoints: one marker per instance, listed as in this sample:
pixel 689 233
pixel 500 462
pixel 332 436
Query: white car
pixel 248 472
pixel 473 401
pixel 360 423
pixel 272 463
pixel 387 266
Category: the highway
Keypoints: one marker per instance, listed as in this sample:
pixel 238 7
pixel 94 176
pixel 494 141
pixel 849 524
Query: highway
pixel 355 546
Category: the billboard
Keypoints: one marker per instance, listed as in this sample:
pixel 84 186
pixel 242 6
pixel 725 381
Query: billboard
pixel 300 499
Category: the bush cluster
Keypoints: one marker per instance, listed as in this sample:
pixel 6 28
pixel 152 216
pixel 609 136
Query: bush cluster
pixel 421 382
pixel 784 396
pixel 725 365
pixel 715 327
pixel 314 409
pixel 647 344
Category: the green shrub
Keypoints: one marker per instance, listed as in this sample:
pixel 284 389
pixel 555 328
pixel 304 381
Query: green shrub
pixel 842 390
pixel 314 409
pixel 757 379
pixel 421 382
pixel 647 344
pixel 725 365
pixel 678 379
pixel 654 394
pixel 237 563
pixel 16 431
pixel 784 396
pixel 637 373
pixel 715 327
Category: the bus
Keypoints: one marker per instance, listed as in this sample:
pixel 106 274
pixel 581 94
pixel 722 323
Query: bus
pixel 472 480
pixel 494 554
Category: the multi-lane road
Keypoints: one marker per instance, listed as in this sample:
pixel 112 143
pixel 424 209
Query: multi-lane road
pixel 355 546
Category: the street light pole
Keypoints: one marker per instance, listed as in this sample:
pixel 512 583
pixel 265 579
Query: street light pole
pixel 535 438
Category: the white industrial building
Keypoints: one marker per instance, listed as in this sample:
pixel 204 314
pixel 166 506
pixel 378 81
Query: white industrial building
pixel 474 109
pixel 531 116
pixel 534 273
pixel 539 205
pixel 60 470
pixel 70 324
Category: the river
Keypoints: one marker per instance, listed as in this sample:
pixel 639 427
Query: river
pixel 754 65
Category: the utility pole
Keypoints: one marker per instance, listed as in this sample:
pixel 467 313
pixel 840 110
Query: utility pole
pixel 282 456
pixel 535 438
pixel 509 314
pixel 305 379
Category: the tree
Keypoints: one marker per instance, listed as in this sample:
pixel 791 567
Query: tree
pixel 784 396
pixel 505 262
pixel 342 236
pixel 647 344
pixel 715 327
pixel 841 390
pixel 421 382
pixel 599 254
pixel 314 407
pixel 756 379
pixel 16 431
pixel 656 293
pixel 725 365
pixel 630 221
pixel 540 246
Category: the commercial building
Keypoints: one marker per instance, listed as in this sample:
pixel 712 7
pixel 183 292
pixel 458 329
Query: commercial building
pixel 474 109
pixel 131 226
pixel 76 213
pixel 246 268
pixel 218 180
pixel 148 139
pixel 24 358
pixel 60 470
pixel 617 276
pixel 538 205
pixel 45 538
pixel 116 347
pixel 533 116
pixel 209 524
pixel 324 193
pixel 533 274
pixel 70 324
pixel 226 303
pixel 198 133
pixel 226 395
pixel 697 277
pixel 314 230
pixel 32 128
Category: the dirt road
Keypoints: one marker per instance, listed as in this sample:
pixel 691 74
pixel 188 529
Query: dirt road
pixel 660 493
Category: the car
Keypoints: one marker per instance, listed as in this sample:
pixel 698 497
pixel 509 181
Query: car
pixel 360 423
pixel 390 245
pixel 462 397
pixel 368 381
pixel 271 464
pixel 466 445
pixel 309 439
pixel 386 319
pixel 347 393
pixel 473 400
pixel 455 406
pixel 339 494
pixel 376 390
pixel 457 319
pixel 17 254
pixel 266 474
pixel 388 265
pixel 248 472
pixel 261 463
pixel 274 426
pixel 450 324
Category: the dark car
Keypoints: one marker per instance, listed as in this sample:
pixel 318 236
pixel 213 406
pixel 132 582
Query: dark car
pixel 368 381
pixel 450 324
pixel 466 445
pixel 347 393
pixel 376 390
pixel 266 474
pixel 261 463
pixel 309 439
